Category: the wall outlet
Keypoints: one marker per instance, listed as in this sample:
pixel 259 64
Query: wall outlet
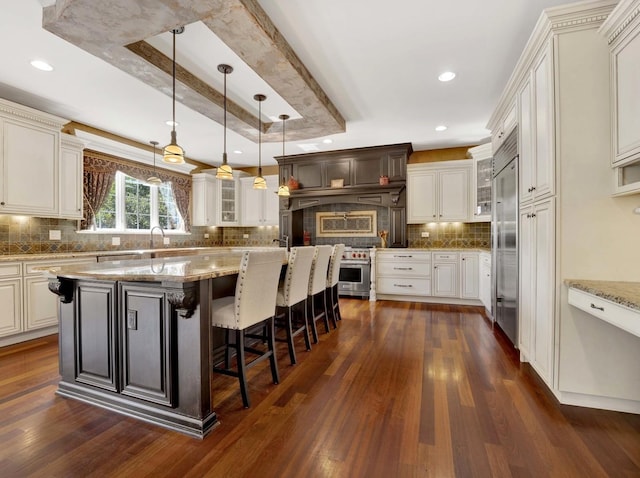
pixel 206 235
pixel 115 241
pixel 245 236
pixel 424 234
pixel 166 241
pixel 55 235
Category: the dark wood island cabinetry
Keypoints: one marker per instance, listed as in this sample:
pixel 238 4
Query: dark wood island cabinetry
pixel 135 336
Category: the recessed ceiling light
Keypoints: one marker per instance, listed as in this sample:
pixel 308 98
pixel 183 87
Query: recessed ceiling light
pixel 237 151
pixel 447 76
pixel 441 128
pixel 171 123
pixel 41 65
pixel 327 141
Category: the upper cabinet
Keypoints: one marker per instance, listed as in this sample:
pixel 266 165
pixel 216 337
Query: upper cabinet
pixel 439 191
pixel 259 206
pixel 355 167
pixel 537 171
pixel 622 29
pixel 40 169
pixel 216 202
pixel 504 127
pixel 481 181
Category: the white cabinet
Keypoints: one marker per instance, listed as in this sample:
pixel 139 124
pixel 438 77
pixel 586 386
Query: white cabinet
pixel 205 194
pixel 445 274
pixel 505 126
pixel 622 30
pixel 469 278
pixel 537 291
pixel 481 182
pixel 29 169
pixel 260 207
pixel 40 304
pixel 40 168
pixel 403 273
pixel 216 202
pixel 485 281
pixel 536 165
pixel 438 192
pixel 71 180
pixel 10 298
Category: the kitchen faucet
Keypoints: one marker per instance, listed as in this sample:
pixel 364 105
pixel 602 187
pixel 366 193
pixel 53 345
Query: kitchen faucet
pixel 151 235
pixel 284 241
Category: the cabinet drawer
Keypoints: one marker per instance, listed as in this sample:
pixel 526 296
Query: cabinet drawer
pixel 402 286
pixel 445 256
pixel 618 315
pixel 404 269
pixel 409 256
pixel 10 269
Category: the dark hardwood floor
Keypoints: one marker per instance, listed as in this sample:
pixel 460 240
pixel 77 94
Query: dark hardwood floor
pixel 399 390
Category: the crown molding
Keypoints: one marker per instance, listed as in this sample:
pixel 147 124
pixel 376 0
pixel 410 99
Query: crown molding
pixel 626 13
pixel 31 114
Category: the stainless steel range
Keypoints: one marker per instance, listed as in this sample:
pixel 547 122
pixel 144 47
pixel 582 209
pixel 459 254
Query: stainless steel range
pixel 355 272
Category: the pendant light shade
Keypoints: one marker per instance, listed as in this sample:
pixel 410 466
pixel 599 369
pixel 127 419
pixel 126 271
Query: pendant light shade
pixel 173 153
pixel 259 182
pixel 154 179
pixel 283 190
pixel 224 170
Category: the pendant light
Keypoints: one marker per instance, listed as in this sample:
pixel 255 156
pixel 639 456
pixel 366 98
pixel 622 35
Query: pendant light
pixel 224 170
pixel 173 153
pixel 154 179
pixel 283 190
pixel 259 182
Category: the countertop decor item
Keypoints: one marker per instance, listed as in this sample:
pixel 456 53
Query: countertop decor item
pixel 337 183
pixel 383 238
pixel 384 180
pixel 293 184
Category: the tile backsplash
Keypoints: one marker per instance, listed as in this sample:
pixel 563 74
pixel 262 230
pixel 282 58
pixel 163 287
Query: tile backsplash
pixel 30 235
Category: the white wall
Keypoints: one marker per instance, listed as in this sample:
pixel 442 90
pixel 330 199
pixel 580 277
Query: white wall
pixel 598 236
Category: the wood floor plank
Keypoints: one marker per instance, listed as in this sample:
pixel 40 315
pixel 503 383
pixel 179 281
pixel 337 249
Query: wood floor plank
pixel 398 390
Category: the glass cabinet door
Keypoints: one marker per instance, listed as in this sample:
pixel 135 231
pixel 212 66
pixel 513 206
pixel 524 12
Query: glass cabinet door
pixel 482 209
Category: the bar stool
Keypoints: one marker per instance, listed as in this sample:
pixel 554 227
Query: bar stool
pixel 333 277
pixel 292 295
pixel 316 303
pixel 254 302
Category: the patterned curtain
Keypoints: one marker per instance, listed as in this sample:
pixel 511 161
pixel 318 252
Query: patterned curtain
pixel 99 173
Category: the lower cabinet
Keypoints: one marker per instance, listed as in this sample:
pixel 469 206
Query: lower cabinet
pixel 10 298
pixel 441 276
pixel 485 281
pixel 536 288
pixel 404 273
pixel 469 283
pixel 28 307
pixel 445 274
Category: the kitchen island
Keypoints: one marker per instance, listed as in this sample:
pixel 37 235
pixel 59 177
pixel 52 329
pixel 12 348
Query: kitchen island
pixel 135 336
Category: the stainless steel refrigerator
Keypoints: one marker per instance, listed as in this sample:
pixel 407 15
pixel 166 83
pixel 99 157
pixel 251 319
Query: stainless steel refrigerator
pixel 504 237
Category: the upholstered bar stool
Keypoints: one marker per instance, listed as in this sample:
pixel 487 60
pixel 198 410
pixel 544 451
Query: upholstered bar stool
pixel 254 302
pixel 292 297
pixel 333 277
pixel 316 303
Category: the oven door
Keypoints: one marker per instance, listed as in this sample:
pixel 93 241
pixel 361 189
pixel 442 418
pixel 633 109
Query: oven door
pixel 354 279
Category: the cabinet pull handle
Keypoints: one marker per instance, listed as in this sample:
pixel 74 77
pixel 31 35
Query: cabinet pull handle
pixel 403 256
pixel 403 268
pixel 594 306
pixel 533 215
pixel 402 285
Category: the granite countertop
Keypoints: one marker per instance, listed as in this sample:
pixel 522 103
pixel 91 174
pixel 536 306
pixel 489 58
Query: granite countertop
pixel 623 293
pixel 169 269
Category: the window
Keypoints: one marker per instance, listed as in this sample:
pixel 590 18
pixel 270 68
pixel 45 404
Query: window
pixel 133 205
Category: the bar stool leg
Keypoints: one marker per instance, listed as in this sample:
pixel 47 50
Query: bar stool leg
pixel 242 375
pixel 307 340
pixel 271 340
pixel 311 320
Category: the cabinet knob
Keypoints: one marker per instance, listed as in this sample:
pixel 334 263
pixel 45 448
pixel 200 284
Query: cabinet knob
pixel 533 215
pixel 2 203
pixel 533 188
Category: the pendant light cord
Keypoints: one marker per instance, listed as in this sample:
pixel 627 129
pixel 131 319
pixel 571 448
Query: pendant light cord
pixel 224 148
pixel 260 138
pixel 173 125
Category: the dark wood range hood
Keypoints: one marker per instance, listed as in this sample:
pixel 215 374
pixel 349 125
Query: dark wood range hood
pixel 360 171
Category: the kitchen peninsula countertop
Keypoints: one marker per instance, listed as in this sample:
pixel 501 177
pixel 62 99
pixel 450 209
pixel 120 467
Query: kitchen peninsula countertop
pixel 623 293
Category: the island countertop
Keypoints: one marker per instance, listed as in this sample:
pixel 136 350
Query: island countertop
pixel 169 269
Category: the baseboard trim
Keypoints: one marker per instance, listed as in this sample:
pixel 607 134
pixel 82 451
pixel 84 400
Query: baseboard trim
pixel 596 401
